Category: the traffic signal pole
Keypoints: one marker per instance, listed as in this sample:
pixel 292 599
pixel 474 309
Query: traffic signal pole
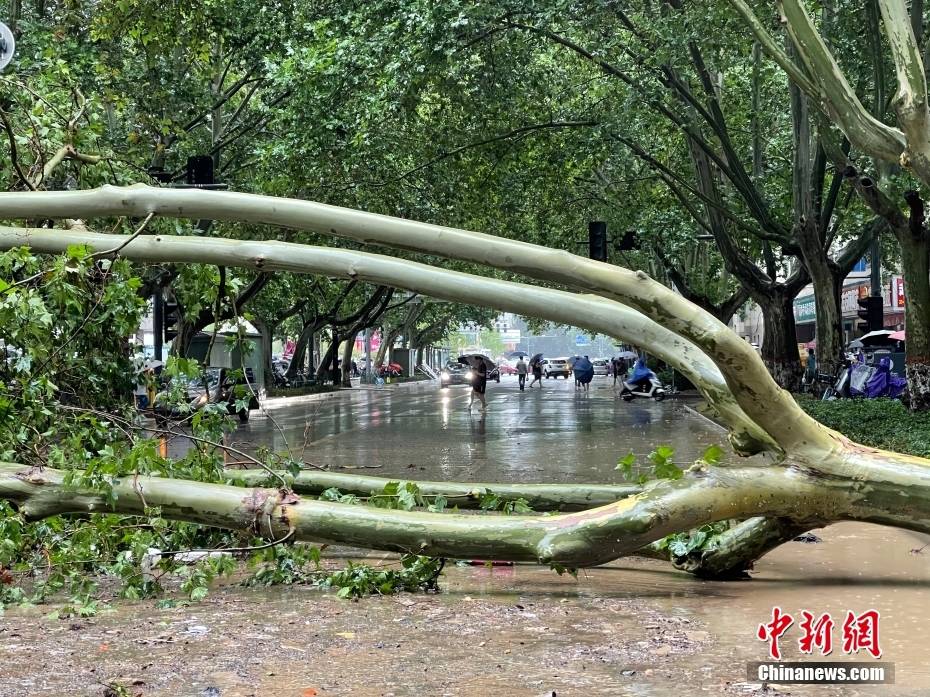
pixel 875 259
pixel 158 323
pixel 876 311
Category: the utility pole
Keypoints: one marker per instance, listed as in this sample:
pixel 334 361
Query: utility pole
pixel 368 355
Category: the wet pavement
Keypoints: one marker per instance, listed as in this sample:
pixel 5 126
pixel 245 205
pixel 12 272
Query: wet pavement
pixel 634 627
pixel 554 434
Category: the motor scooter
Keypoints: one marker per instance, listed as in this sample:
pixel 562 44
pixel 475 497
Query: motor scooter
pixel 653 388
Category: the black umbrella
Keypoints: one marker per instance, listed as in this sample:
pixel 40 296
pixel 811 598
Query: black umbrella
pixel 536 359
pixel 473 359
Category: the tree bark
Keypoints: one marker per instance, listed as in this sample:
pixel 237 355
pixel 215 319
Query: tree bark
pixel 299 359
pixel 181 344
pixel 915 267
pixel 820 476
pixel 779 342
pixel 326 370
pixel 747 377
pixel 465 495
pixel 266 333
pixel 346 371
pixel 387 341
pixel 871 493
pixel 827 280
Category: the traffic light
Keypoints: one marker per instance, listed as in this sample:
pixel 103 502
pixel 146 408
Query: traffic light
pixel 597 240
pixel 629 242
pixel 871 313
pixel 170 320
pixel 200 170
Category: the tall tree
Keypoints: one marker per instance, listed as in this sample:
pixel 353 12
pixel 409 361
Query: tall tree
pixel 819 75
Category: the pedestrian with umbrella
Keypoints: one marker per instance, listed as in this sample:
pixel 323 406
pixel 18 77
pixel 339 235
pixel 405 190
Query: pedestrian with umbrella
pixel 480 366
pixel 584 372
pixel 536 367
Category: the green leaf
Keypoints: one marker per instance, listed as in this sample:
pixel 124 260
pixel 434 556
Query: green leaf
pixel 626 465
pixel 668 470
pixel 678 546
pixel 712 455
pixel 661 454
pixel 407 496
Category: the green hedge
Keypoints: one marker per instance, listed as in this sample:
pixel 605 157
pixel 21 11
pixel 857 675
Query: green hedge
pixel 880 423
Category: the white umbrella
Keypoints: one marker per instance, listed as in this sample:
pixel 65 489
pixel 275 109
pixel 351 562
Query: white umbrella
pixel 877 333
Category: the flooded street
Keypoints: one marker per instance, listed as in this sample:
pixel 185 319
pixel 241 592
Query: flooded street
pixel 633 627
pixel 556 434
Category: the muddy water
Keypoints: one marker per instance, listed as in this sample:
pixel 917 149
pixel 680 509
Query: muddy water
pixel 635 627
pixel 631 628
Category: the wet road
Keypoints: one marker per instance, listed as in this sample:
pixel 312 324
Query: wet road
pixel 552 434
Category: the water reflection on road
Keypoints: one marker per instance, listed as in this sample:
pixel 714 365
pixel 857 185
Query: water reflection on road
pixel 554 434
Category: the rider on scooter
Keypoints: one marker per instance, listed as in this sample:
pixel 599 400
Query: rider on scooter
pixel 642 375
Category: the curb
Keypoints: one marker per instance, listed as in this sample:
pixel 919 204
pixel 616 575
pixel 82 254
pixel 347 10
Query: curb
pixel 709 420
pixel 297 399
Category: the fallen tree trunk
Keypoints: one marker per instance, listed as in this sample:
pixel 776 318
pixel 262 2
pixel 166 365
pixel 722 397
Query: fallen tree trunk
pixel 818 476
pixel 730 556
pixel 587 538
pixel 465 495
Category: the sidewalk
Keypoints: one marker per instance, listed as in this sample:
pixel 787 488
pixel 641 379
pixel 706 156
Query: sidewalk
pixel 356 385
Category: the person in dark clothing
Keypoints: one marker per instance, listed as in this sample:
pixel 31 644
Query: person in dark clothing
pixel 479 383
pixel 616 367
pixel 537 374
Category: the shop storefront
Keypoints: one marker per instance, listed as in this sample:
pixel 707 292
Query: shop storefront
pixel 805 309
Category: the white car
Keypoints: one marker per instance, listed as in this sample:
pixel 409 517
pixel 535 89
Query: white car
pixel 554 367
pixel 601 366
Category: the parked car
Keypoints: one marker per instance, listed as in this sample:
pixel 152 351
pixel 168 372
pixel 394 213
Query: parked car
pixel 506 369
pixel 222 386
pixel 601 366
pixel 555 367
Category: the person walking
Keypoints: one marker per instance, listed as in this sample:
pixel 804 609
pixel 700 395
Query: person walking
pixel 811 367
pixel 537 374
pixel 479 383
pixel 616 367
pixel 583 370
pixel 521 373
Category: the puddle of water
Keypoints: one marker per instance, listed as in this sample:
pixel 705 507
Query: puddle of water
pixel 635 627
